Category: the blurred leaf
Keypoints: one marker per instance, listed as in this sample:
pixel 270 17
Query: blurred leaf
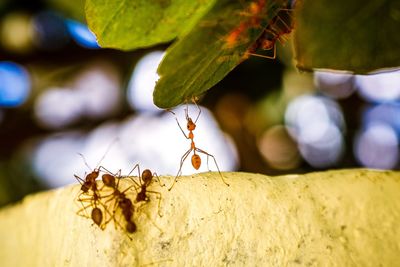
pixel 203 57
pixel 130 24
pixel 70 8
pixel 359 36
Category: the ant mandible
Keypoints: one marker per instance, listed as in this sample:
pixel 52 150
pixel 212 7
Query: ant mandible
pixel 196 160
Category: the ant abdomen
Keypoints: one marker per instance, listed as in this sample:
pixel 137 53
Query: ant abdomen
pixel 108 180
pixel 196 161
pixel 97 216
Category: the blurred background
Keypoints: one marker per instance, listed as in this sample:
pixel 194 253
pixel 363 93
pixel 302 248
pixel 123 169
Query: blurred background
pixel 68 106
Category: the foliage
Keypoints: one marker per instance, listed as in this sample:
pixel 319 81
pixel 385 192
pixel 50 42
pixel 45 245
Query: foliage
pixel 214 36
pixel 362 37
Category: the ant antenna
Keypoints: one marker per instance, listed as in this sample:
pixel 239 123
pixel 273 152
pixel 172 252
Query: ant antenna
pixel 187 111
pixel 108 150
pixel 194 100
pixel 84 160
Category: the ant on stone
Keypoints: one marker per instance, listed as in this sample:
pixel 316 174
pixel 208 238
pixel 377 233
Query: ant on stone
pixel 196 160
pixel 121 201
pixel 145 180
pixel 87 184
pixel 96 214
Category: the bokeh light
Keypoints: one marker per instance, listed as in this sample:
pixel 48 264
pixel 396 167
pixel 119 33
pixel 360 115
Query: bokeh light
pixel 326 151
pixel 388 113
pixel 94 93
pixel 16 33
pixel 377 146
pixel 279 149
pixel 55 158
pixel 381 87
pixel 316 123
pixel 334 84
pixel 81 34
pixel 143 81
pixel 99 88
pixel 15 84
pixel 58 107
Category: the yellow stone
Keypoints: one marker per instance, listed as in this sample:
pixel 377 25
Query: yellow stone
pixel 333 218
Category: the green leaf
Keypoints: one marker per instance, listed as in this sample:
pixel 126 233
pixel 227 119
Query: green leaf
pixel 130 24
pixel 357 35
pixel 205 55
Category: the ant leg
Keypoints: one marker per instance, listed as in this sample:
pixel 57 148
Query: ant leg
pixel 159 197
pixel 264 56
pixel 79 212
pixel 198 115
pixel 133 180
pixel 176 118
pixel 148 217
pixel 158 178
pixel 81 200
pixel 179 124
pixel 134 167
pixel 79 179
pixel 187 110
pixel 215 161
pixel 180 167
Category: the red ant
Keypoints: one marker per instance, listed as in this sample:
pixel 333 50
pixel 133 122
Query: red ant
pixel 196 160
pixel 145 180
pixel 89 183
pixel 274 32
pixel 96 214
pixel 253 11
pixel 124 203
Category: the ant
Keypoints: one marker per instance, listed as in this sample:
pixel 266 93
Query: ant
pixel 196 160
pixel 145 180
pixel 124 203
pixel 281 24
pixel 89 183
pixel 96 214
pixel 253 12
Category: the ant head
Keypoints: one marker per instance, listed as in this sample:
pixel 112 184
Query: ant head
pixel 108 180
pixel 190 125
pixel 147 176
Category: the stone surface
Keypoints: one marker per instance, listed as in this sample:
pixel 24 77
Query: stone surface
pixel 335 218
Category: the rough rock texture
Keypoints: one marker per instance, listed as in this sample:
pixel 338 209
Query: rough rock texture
pixel 335 218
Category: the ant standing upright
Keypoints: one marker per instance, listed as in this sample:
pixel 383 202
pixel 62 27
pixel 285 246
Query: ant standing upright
pixel 196 160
